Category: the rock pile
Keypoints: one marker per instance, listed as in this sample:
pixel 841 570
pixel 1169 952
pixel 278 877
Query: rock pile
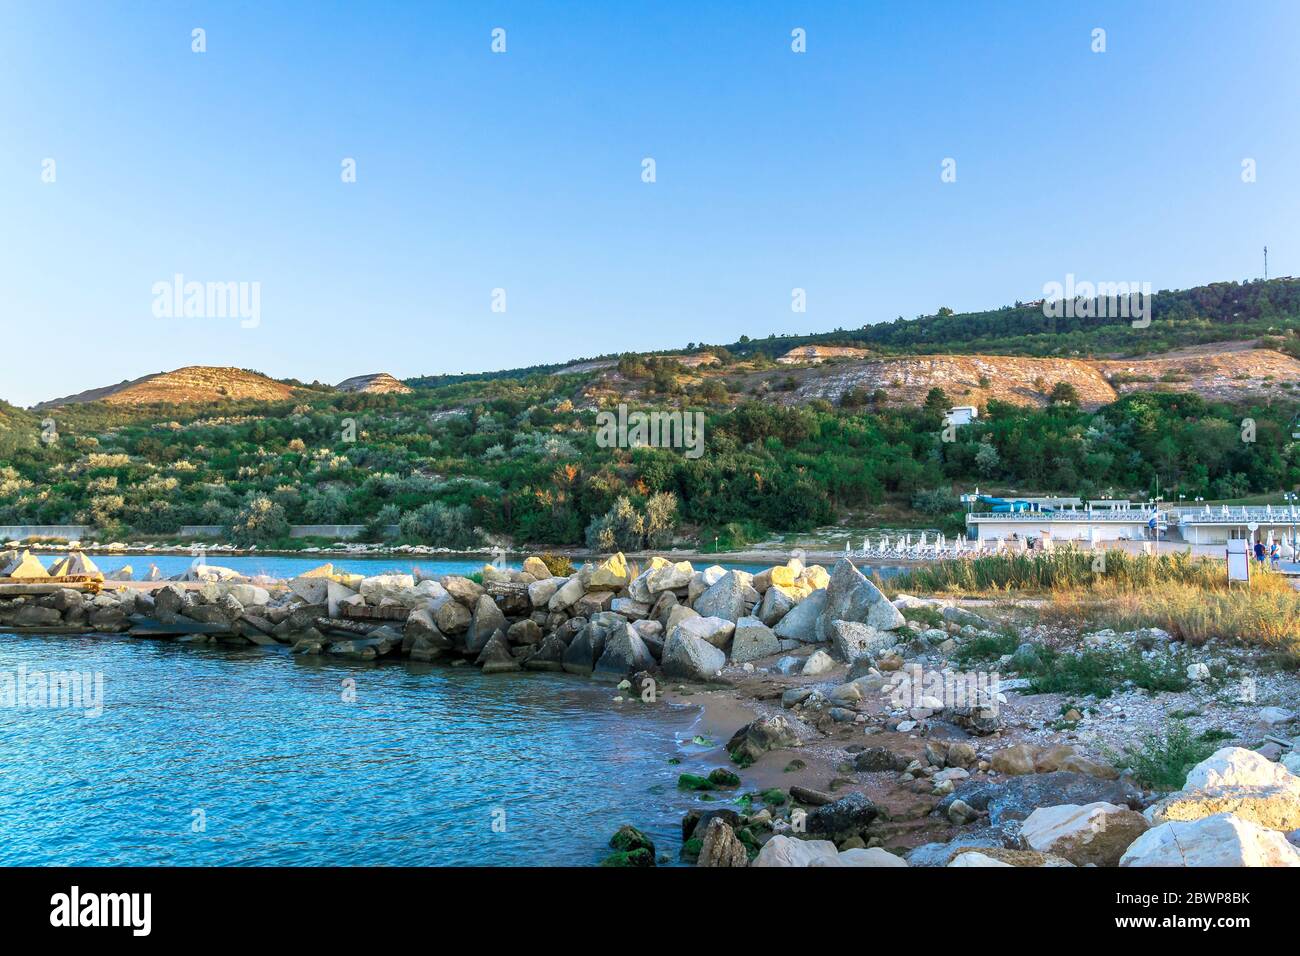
pixel 608 620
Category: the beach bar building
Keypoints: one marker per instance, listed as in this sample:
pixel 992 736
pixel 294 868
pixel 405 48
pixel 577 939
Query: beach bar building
pixel 1086 523
pixel 1219 524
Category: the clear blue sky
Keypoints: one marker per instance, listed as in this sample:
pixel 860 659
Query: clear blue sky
pixel 523 171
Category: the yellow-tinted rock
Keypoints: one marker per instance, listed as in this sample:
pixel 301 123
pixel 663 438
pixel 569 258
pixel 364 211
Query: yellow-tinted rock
pixel 610 575
pixel 815 577
pixel 1273 809
pixel 1077 763
pixel 1014 760
pixel 537 568
pixel 1051 758
pixel 28 568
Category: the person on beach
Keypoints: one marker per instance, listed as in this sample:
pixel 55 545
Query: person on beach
pixel 1275 557
pixel 1259 551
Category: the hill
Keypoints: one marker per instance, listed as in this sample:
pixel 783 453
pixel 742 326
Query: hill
pixel 378 383
pixel 190 385
pixel 834 437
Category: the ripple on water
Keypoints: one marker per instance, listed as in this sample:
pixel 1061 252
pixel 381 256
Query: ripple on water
pixel 413 772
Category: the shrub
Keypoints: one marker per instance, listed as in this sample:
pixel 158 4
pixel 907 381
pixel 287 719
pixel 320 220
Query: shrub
pixel 441 525
pixel 259 521
pixel 1161 761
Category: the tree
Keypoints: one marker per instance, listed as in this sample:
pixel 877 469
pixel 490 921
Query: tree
pixel 987 460
pixel 1063 393
pixel 260 520
pixel 936 400
pixel 441 525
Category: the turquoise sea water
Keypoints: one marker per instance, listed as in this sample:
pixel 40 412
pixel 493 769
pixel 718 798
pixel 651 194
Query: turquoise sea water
pixel 428 765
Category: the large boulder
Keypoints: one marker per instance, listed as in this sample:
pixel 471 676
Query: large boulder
pixel 549 656
pixel 724 599
pixel 1015 760
pixel 852 639
pixel 866 857
pixel 1273 808
pixel 1220 840
pixel 845 818
pixel 670 577
pixel 526 631
pixel 760 736
pixel 630 609
pixel 1241 782
pixel 337 595
pixel 486 621
pixel 1238 767
pixel 692 658
pixel 782 576
pixel 31 615
pixel 676 614
pixel 752 640
pixel 716 630
pixel 1096 833
pixel 464 590
pixel 1018 797
pixel 541 592
pixel 249 595
pixel 169 602
pixel 625 654
pixel 787 851
pixel 568 594
pixel 585 650
pixel 420 626
pixel 721 846
pixel 612 574
pixel 451 616
pixel 777 603
pixel 701 581
pixel 379 587
pixel 851 597
pixel 535 566
pixel 800 623
pixel 495 657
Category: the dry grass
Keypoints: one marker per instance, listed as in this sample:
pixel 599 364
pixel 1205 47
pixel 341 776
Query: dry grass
pixel 1188 597
pixel 1063 570
pixel 1267 614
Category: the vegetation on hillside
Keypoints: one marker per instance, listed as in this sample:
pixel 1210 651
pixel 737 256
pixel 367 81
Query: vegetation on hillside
pixel 516 454
pixel 517 458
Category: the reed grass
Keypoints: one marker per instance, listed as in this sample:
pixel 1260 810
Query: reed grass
pixel 1186 596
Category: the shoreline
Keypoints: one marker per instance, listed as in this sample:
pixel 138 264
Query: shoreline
pixel 794 671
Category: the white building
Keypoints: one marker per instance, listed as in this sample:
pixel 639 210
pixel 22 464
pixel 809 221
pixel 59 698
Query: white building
pixel 1085 526
pixel 961 415
pixel 1218 524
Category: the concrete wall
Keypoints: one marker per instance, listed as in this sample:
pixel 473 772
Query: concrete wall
pixel 70 532
pixel 338 532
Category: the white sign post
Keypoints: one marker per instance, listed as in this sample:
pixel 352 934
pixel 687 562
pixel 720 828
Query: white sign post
pixel 1238 561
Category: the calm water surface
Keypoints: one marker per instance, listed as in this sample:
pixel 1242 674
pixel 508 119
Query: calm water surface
pixel 415 771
